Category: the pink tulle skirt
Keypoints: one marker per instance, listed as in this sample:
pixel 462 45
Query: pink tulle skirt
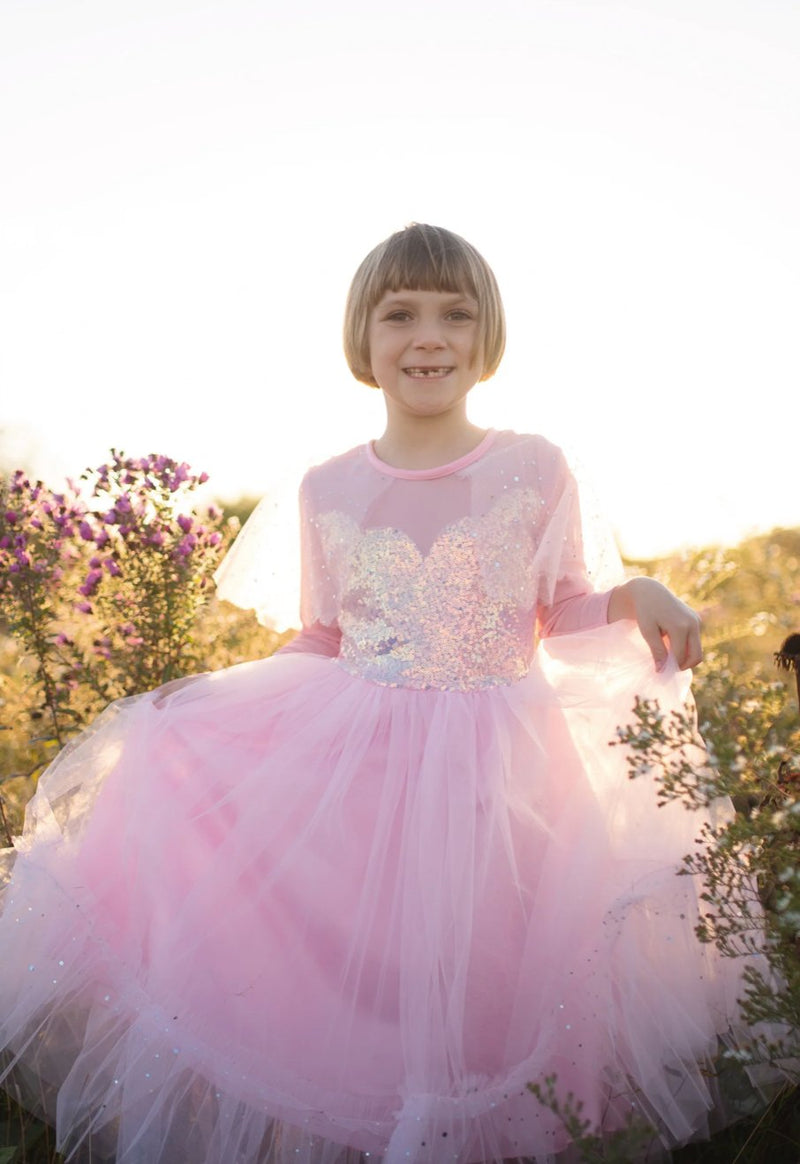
pixel 278 913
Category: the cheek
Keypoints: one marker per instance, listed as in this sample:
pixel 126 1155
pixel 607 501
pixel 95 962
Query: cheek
pixel 383 353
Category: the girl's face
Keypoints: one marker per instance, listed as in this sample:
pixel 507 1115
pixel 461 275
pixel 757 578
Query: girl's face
pixel 422 350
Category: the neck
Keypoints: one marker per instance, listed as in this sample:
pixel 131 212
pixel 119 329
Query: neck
pixel 425 442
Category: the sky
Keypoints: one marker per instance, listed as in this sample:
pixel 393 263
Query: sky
pixel 187 188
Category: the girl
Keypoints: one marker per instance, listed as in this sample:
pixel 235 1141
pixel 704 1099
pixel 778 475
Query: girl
pixel 346 903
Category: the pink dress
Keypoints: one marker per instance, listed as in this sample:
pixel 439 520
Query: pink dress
pixel 355 897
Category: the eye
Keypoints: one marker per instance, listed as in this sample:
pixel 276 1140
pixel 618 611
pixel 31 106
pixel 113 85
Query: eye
pixel 460 315
pixel 398 316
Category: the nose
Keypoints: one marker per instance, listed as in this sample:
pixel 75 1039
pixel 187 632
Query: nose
pixel 429 336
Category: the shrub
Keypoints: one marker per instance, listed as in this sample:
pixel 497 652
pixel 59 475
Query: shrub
pixel 101 587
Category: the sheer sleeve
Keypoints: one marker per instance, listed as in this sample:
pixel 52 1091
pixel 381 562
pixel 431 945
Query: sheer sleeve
pixel 571 595
pixel 260 573
pixel 573 610
pixel 320 634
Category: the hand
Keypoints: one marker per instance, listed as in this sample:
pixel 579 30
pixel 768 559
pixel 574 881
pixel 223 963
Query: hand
pixel 661 616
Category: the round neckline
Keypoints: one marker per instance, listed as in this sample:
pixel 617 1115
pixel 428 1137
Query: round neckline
pixel 438 470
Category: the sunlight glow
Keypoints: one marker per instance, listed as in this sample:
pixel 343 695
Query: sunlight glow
pixel 188 189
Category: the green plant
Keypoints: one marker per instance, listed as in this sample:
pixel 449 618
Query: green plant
pixel 749 862
pixel 620 1146
pixel 101 589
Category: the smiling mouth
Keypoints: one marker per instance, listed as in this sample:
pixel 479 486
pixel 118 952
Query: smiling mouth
pixel 427 373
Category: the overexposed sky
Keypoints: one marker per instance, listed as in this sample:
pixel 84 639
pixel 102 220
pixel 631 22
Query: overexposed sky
pixel 186 189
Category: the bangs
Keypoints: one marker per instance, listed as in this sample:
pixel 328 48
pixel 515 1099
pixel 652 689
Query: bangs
pixel 426 258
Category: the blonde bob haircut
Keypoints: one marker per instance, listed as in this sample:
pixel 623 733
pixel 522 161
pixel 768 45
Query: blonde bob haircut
pixel 423 258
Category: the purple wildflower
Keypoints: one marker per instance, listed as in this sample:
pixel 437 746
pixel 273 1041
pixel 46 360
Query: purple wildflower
pixel 91 583
pixel 186 545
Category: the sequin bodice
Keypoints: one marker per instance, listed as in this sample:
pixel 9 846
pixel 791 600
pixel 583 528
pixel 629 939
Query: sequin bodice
pixel 460 615
pixel 435 578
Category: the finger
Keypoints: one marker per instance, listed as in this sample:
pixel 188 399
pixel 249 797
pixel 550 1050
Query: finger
pixel 680 649
pixel 651 633
pixel 694 648
pixel 686 647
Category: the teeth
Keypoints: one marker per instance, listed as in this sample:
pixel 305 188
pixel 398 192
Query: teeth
pixel 425 373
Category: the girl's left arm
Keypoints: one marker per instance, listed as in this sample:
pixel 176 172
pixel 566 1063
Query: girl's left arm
pixel 661 616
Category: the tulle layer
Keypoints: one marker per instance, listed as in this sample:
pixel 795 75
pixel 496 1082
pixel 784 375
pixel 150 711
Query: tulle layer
pixel 278 913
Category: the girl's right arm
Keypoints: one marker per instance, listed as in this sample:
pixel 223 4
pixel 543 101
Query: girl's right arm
pixel 316 639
